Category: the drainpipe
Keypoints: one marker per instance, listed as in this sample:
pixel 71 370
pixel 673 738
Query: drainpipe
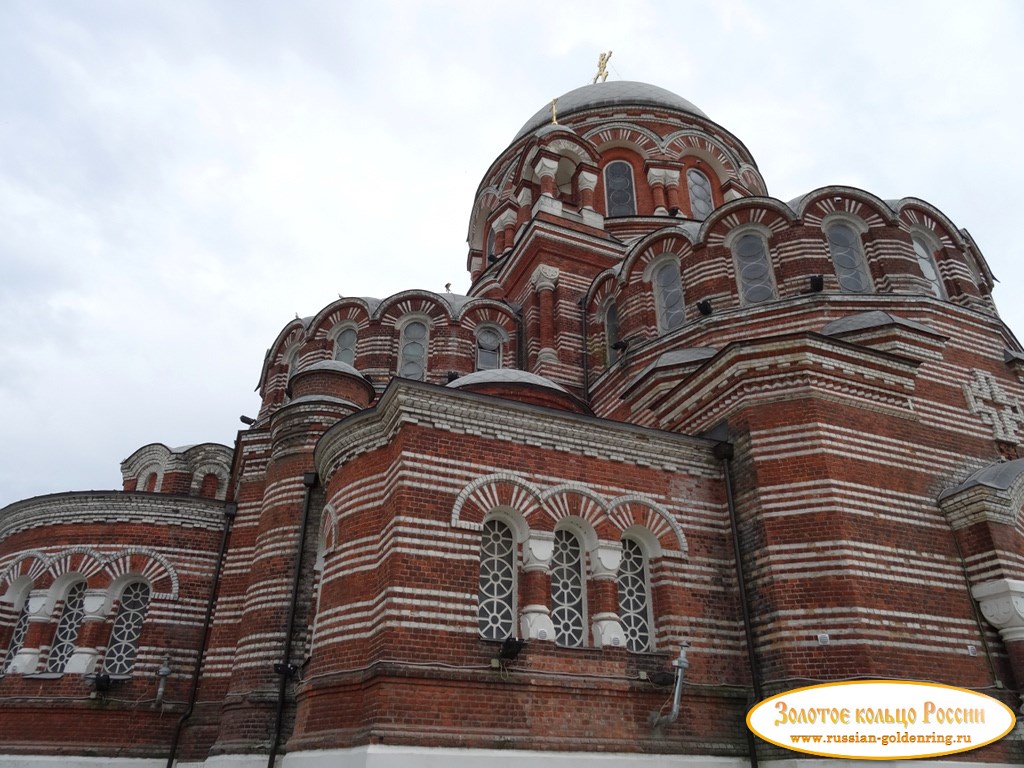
pixel 681 664
pixel 229 515
pixel 285 669
pixel 723 451
pixel 586 351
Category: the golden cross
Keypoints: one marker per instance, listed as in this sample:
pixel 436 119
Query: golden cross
pixel 602 71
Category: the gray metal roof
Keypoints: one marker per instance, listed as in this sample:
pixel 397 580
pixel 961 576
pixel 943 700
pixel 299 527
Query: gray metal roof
pixel 610 94
pixel 998 476
pixel 332 365
pixel 505 376
pixel 876 318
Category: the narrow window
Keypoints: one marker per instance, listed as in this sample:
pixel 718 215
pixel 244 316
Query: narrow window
pixel 124 636
pixel 668 297
pixel 413 364
pixel 701 201
pixel 634 600
pixel 926 261
pixel 611 332
pixel 345 347
pixel 848 259
pixel 618 189
pixel 67 628
pixel 488 349
pixel 491 237
pixel 496 611
pixel 567 590
pixel 755 274
pixel 17 638
pixel 151 482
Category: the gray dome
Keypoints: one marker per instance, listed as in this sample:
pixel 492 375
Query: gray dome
pixel 331 365
pixel 505 376
pixel 616 92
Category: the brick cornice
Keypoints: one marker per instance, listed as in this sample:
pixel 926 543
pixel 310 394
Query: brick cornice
pixel 450 410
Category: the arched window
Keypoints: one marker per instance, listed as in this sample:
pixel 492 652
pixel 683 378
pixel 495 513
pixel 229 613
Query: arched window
pixel 701 200
pixel 668 297
pixel 926 261
pixel 345 346
pixel 848 259
pixel 568 613
pixel 753 269
pixel 611 332
pixel 293 362
pixel 634 597
pixel 67 628
pixel 618 189
pixel 124 636
pixel 496 612
pixel 488 348
pixel 413 358
pixel 17 637
pixel 491 237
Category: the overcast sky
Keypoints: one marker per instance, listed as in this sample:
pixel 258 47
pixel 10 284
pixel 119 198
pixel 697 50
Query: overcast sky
pixel 179 179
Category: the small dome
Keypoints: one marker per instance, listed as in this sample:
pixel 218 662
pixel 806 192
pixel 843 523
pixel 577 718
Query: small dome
pixel 617 92
pixel 331 365
pixel 504 376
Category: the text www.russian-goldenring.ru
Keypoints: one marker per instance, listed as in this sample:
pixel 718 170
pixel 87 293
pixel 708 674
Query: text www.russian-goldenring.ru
pixel 885 740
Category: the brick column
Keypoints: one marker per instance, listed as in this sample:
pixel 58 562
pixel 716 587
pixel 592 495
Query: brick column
pixel 545 165
pixel 604 595
pixel 545 279
pixel 535 617
pixel 672 188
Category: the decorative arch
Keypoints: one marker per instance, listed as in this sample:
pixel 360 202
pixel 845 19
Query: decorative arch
pixel 767 212
pixel 575 500
pixel 415 302
pixel 351 309
pixel 30 565
pixel 501 489
pixel 487 201
pixel 680 144
pixel 93 566
pixel 819 204
pixel 644 142
pixel 914 212
pixel 678 240
pixel 632 510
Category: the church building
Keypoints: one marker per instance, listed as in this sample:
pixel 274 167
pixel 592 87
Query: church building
pixel 682 446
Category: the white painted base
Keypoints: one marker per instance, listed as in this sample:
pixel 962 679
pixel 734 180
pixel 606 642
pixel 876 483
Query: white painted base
pixel 380 756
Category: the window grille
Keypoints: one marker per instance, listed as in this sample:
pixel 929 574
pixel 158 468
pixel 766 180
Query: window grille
pixel 618 188
pixel 496 611
pixel 124 637
pixel 567 590
pixel 634 601
pixel 17 638
pixel 345 347
pixel 844 245
pixel 701 201
pixel 414 351
pixel 67 628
